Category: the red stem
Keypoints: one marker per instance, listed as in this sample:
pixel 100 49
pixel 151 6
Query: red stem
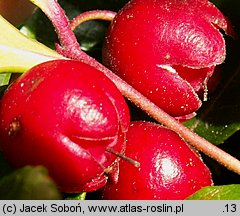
pixel 61 24
pixel 70 48
pixel 105 15
pixel 162 117
pixel 69 44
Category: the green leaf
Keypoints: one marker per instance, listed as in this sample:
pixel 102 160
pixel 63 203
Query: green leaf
pixel 18 53
pixel 28 183
pixel 224 192
pixel 40 28
pixel 89 34
pixel 219 117
pixel 79 196
pixel 4 78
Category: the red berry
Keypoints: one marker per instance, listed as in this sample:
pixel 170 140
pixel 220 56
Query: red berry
pixel 167 49
pixel 64 114
pixel 169 168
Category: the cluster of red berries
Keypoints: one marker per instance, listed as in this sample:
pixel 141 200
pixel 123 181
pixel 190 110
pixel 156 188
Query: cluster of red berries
pixel 71 118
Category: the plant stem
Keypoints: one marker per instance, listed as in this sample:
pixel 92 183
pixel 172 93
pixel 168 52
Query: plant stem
pixel 162 117
pixel 69 44
pixel 124 157
pixel 72 50
pixel 105 15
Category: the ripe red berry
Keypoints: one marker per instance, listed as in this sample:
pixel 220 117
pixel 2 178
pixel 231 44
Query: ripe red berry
pixel 169 168
pixel 167 49
pixel 63 114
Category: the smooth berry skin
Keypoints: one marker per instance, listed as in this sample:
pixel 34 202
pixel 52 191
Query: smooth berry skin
pixel 169 168
pixel 167 50
pixel 63 114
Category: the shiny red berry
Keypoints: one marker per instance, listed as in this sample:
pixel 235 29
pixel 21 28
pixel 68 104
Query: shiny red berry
pixel 169 167
pixel 167 49
pixel 63 114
